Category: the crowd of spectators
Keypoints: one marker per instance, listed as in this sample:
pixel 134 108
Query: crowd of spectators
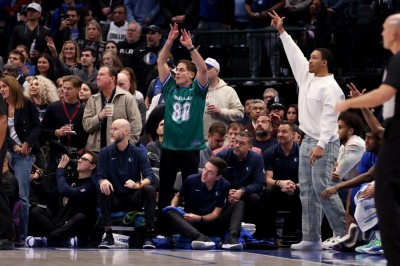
pixel 114 88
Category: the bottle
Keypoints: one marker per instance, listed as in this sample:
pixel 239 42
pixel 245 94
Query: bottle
pixel 33 45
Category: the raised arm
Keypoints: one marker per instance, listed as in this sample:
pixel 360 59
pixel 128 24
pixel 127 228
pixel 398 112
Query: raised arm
pixel 371 120
pixel 186 40
pixel 163 69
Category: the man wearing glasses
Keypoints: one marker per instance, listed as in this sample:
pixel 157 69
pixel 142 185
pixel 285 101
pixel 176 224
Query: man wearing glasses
pixel 78 216
pixel 246 176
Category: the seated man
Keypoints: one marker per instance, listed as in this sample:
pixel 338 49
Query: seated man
pixel 125 178
pixel 206 211
pixel 233 130
pixel 215 140
pixel 281 172
pixel 154 147
pixel 79 214
pixel 246 177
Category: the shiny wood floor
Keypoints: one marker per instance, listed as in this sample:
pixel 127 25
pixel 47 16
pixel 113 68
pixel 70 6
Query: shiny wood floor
pixel 81 257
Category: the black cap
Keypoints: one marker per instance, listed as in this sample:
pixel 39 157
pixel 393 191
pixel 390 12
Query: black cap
pixel 153 28
pixel 277 103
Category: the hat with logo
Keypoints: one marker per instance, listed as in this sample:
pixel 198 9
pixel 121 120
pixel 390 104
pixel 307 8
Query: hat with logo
pixel 153 28
pixel 277 103
pixel 211 62
pixel 34 6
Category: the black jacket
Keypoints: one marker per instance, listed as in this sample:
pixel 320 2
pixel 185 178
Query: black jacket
pixel 27 125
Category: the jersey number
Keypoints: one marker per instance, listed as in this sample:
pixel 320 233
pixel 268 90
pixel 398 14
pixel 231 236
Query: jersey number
pixel 181 112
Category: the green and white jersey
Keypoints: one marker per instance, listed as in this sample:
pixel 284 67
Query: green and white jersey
pixel 183 120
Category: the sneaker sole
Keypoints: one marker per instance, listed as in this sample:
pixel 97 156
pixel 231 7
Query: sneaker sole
pixel 306 248
pixel 353 231
pixel 232 246
pixel 106 246
pixel 199 245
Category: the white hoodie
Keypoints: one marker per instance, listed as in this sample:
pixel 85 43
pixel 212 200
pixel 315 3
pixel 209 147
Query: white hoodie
pixel 226 98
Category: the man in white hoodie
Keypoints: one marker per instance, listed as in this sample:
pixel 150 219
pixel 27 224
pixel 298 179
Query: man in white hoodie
pixel 222 102
pixel 350 128
pixel 318 95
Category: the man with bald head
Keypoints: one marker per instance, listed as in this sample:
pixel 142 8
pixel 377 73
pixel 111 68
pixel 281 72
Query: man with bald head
pixel 126 182
pixel 387 182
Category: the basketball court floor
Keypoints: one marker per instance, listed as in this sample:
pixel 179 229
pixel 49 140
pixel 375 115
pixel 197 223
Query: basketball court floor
pixel 87 257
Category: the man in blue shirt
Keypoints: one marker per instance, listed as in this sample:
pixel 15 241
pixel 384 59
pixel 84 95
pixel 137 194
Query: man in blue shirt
pixel 206 209
pixel 121 167
pixel 246 176
pixel 281 171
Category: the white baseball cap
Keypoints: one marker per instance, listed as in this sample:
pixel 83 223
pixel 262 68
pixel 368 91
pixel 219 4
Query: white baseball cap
pixel 34 6
pixel 211 62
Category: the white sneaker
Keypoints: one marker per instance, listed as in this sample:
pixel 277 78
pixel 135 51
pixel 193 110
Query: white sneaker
pixel 307 245
pixel 202 245
pixel 350 239
pixel 330 242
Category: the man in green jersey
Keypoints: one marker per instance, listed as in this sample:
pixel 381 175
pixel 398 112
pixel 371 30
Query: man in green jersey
pixel 184 108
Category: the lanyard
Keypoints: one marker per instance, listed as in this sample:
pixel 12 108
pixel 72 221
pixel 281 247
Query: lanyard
pixel 70 118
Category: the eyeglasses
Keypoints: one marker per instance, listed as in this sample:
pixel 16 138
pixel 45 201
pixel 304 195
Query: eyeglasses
pixel 84 159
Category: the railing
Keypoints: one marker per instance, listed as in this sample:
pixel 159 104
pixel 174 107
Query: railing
pixel 257 55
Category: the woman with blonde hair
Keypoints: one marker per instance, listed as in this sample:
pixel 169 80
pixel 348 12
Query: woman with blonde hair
pixel 70 54
pixel 111 59
pixel 93 31
pixel 133 85
pixel 41 91
pixel 22 140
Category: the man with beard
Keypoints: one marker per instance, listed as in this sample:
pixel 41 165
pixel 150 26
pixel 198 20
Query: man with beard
pixel 246 176
pixel 281 175
pixel 258 108
pixel 263 138
pixel 120 168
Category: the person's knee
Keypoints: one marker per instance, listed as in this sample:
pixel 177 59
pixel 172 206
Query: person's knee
pixel 149 190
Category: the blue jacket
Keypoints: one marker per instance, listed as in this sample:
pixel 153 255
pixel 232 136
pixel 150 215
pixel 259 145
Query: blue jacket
pixel 248 174
pixel 118 167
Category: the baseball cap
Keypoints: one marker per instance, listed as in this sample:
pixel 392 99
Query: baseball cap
pixel 153 28
pixel 211 62
pixel 35 6
pixel 277 103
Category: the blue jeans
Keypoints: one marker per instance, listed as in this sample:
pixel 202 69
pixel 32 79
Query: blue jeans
pixel 22 169
pixel 313 180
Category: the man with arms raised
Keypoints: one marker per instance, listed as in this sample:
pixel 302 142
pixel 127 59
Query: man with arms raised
pixel 184 108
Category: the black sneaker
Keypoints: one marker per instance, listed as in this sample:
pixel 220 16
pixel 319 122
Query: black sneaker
pixel 108 241
pixel 6 244
pixel 149 244
pixel 231 243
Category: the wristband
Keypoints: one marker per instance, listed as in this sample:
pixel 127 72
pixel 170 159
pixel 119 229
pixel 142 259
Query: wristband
pixel 191 49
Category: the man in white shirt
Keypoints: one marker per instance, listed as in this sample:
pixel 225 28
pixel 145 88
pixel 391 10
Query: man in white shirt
pixel 318 95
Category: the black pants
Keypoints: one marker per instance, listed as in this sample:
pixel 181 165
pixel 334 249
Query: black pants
pixel 387 194
pixel 275 200
pixel 134 201
pixel 171 162
pixel 44 225
pixel 229 219
pixel 6 227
